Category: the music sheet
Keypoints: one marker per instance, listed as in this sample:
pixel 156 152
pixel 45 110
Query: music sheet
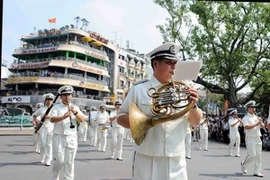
pixel 187 70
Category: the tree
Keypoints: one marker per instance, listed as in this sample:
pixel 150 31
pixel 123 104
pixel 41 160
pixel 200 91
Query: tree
pixel 230 38
pixel 77 20
pixel 84 23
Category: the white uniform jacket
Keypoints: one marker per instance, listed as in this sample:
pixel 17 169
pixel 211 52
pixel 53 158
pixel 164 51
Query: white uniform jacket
pixel 250 119
pixel 47 123
pixel 234 130
pixel 165 139
pixel 63 127
pixel 114 123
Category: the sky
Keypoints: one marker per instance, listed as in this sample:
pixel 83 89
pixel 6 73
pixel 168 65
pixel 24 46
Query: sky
pixel 116 20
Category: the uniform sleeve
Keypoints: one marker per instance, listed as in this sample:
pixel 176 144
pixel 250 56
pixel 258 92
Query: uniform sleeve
pixel 245 121
pixel 112 114
pixel 37 113
pixel 53 111
pixel 131 97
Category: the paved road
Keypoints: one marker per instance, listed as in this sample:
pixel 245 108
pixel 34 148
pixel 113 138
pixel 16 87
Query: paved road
pixel 19 161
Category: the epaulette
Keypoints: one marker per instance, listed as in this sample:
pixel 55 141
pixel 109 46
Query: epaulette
pixel 140 82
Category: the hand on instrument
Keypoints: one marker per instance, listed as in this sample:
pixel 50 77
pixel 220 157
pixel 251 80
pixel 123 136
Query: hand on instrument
pixel 67 114
pixel 194 96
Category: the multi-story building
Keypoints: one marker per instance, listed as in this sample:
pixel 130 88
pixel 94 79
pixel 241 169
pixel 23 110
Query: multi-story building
pixel 99 71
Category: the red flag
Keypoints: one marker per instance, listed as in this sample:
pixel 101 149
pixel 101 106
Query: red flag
pixel 52 20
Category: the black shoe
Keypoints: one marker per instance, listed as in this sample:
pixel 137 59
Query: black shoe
pixel 119 159
pixel 258 175
pixel 188 157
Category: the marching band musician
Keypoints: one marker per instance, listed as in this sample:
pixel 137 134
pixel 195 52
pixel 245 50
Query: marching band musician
pixel 46 130
pixel 64 116
pixel 203 143
pixel 252 126
pixel 83 128
pixel 93 115
pixel 35 122
pixel 234 123
pixel 188 141
pixel 117 134
pixel 102 120
pixel 161 155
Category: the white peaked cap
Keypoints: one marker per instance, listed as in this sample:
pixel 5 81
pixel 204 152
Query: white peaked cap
pixel 168 50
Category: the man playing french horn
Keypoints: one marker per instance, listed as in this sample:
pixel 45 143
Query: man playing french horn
pixel 160 153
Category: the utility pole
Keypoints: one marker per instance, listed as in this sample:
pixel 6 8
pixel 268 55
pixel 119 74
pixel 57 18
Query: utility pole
pixel 1 38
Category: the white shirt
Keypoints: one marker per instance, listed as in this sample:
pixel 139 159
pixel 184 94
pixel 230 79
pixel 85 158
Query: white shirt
pixel 233 129
pixel 47 123
pixel 250 119
pixel 102 117
pixel 204 125
pixel 165 139
pixel 63 127
pixel 114 123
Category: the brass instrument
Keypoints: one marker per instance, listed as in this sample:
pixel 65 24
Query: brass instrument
pixel 103 127
pixel 169 97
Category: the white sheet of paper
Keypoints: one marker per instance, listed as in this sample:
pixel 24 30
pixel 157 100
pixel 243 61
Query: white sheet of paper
pixel 187 70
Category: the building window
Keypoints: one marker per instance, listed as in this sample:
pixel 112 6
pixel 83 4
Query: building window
pixel 122 83
pixel 121 69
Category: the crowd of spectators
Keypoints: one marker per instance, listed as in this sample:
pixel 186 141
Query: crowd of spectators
pixel 218 130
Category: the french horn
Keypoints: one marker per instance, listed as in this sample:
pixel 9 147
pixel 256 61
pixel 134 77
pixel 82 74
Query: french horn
pixel 166 100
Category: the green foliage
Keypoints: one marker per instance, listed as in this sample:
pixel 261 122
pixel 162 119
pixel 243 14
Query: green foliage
pixel 230 38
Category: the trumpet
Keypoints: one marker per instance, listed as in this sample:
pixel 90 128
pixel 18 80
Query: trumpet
pixel 70 120
pixel 165 100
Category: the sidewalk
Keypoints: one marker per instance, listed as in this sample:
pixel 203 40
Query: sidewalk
pixel 16 131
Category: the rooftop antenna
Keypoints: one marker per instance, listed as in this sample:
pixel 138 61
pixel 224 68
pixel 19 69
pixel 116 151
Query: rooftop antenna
pixel 127 44
pixel 115 36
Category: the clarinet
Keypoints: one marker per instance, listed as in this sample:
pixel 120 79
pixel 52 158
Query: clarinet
pixel 46 113
pixel 70 120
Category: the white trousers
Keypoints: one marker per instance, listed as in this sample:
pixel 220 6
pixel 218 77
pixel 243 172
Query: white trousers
pixel 159 168
pixel 93 129
pixel 204 139
pixel 64 152
pixel 254 152
pixel 36 142
pixel 102 139
pixel 188 144
pixel 45 137
pixel 82 131
pixel 234 139
pixel 117 142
